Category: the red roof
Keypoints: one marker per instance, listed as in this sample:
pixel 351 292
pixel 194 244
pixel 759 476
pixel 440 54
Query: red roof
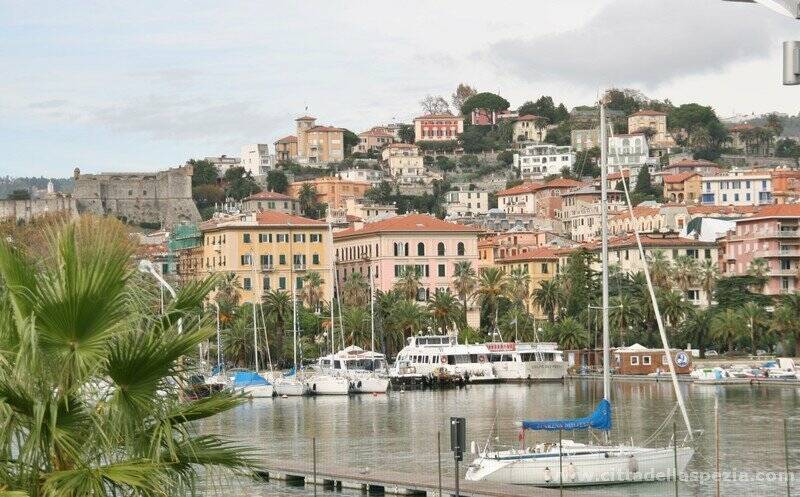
pixel 563 183
pixel 269 196
pixel 638 211
pixel 679 178
pixel 519 189
pixel 325 128
pixel 306 118
pixel 613 176
pixel 777 210
pixel 648 112
pixel 288 139
pixel 532 255
pixel 377 132
pixel 422 223
pixel 438 116
pixel 692 163
pixel 648 240
pixel 531 117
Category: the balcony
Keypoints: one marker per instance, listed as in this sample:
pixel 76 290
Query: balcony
pixel 268 267
pixel 779 253
pixel 299 267
pixel 784 272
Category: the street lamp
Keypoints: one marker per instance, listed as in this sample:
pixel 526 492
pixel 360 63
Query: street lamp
pixel 219 345
pixel 791 49
pixel 146 266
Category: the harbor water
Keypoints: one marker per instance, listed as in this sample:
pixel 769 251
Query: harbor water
pixel 398 431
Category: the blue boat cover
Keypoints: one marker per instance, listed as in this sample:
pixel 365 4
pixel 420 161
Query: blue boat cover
pixel 290 373
pixel 600 419
pixel 248 379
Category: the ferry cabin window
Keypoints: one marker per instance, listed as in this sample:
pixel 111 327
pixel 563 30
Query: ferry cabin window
pixel 337 364
pixel 634 360
pixel 646 361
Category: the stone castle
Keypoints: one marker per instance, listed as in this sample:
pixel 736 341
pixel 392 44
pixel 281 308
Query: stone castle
pixel 160 198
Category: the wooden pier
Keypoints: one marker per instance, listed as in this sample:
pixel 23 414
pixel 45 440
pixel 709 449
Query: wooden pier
pixel 377 480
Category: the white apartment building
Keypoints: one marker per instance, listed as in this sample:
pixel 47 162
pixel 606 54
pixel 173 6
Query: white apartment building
pixel 466 203
pixel 736 188
pixel 405 163
pixel 630 152
pixel 538 161
pixel 369 212
pixel 223 163
pixel 256 159
pixel 373 176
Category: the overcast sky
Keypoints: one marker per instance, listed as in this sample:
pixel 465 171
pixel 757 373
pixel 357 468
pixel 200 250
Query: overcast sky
pixel 146 85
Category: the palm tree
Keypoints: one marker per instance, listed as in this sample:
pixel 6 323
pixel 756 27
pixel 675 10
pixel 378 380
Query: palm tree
pixel 624 313
pixel 356 321
pixel 660 269
pixel 491 286
pixel 685 272
pixel 754 317
pixel 569 333
pixel 406 317
pixel 444 309
pixel 708 274
pixel 312 289
pixel 355 291
pixel 698 325
pixel 518 287
pixel 237 341
pixel 82 369
pixel 408 283
pixel 227 296
pixel 727 327
pixel 548 297
pixel 278 304
pixel 465 282
pixel 786 319
pixel 758 269
pixel 307 197
pixel 673 306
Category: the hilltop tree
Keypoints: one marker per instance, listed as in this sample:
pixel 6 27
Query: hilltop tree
pixel 775 123
pixel 240 183
pixel 350 140
pixel 546 108
pixel 434 105
pixel 203 172
pixel 19 195
pixel 487 101
pixel 406 133
pixel 696 119
pixel 462 93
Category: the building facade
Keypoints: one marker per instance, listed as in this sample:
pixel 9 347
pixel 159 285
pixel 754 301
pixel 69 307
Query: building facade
pixel 438 127
pixel 737 188
pixel 772 234
pixel 464 202
pixel 256 159
pixel 584 139
pixel 629 152
pixel 223 163
pixel 654 120
pixel 383 250
pixel 318 144
pixel 373 176
pixel 537 161
pixel 530 129
pixel 373 140
pixel 271 201
pixel 331 191
pixel 267 251
pixel 540 264
pixel 286 148
pixel 682 188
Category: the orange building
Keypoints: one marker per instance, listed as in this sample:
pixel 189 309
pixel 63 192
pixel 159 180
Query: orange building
pixel 332 191
pixel 785 186
pixel 682 188
pixel 286 148
pixel 438 127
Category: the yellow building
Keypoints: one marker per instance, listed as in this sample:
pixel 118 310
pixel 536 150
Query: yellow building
pixel 540 264
pixel 267 251
pixel 318 144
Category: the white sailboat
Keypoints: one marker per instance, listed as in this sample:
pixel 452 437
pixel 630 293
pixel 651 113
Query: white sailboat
pixel 290 385
pixel 569 463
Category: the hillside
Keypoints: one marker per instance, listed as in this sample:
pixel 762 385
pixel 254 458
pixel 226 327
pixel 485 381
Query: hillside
pixel 9 184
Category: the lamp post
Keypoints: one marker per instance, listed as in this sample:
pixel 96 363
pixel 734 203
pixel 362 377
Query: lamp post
pixel 791 49
pixel 219 343
pixel 146 266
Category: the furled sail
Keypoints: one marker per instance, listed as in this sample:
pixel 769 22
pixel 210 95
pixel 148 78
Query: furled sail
pixel 600 419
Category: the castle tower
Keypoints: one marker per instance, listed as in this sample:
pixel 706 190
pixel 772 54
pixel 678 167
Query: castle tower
pixel 50 188
pixel 303 125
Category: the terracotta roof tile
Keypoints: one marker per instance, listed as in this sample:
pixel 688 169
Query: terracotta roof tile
pixel 531 117
pixel 519 189
pixel 288 139
pixel 306 118
pixel 330 129
pixel 777 210
pixel 678 178
pixel 408 222
pixel 533 254
pixel 648 241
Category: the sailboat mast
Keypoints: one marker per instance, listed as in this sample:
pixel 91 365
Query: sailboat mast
pixel 294 322
pixel 372 309
pixel 255 299
pixel 604 253
pixel 333 289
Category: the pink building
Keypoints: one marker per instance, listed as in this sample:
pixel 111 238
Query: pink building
pixel 383 248
pixel 772 234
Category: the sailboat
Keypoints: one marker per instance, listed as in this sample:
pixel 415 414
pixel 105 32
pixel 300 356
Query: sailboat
pixel 289 385
pixel 568 463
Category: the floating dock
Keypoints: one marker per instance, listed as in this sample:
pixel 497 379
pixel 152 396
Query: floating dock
pixel 377 480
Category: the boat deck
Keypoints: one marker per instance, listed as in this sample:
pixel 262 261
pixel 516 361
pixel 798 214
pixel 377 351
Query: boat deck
pixel 397 483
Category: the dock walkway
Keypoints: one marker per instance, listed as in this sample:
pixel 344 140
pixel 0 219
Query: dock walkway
pixel 397 483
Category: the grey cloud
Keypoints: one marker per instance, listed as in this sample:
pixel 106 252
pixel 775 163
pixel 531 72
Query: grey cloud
pixel 630 43
pixel 47 104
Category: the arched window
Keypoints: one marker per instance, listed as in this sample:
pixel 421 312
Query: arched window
pixel 406 249
pixel 396 249
pixel 440 248
pixel 460 249
pixel 420 248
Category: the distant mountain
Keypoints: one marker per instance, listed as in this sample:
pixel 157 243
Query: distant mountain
pixel 791 124
pixel 9 184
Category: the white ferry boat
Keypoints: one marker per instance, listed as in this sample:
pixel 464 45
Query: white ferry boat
pixel 513 361
pixel 367 371
pixel 442 357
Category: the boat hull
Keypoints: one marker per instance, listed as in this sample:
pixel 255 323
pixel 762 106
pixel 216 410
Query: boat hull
pixel 257 391
pixel 289 388
pixel 328 385
pixel 369 384
pixel 596 466
pixel 530 371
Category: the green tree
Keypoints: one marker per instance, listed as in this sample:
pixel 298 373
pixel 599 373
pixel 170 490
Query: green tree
pixel 492 284
pixel 207 195
pixel 19 195
pixel 462 93
pixel 685 272
pixel 549 297
pixel 660 269
pixel 350 140
pixel 83 369
pixel 406 317
pixel 277 181
pixel 444 310
pixel 727 327
pixel 787 147
pixel 707 276
pixel 518 287
pixel 406 133
pixel 624 313
pixel 278 305
pixel 484 101
pixel 355 291
pixel 203 172
pixel 693 119
pixel 758 269
pixel 408 283
pixel 755 317
pixel 506 157
pixel 673 306
pixel 465 282
pixel 312 289
pixel 698 327
pixel 307 198
pixel 356 321
pixel 786 319
pixel 568 333
pixel 240 183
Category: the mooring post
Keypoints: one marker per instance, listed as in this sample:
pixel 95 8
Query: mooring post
pixel 786 456
pixel 560 465
pixel 439 451
pixel 675 455
pixel 314 462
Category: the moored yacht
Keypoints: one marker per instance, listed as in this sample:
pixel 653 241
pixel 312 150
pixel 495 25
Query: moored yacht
pixel 430 356
pixel 540 361
pixel 366 371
